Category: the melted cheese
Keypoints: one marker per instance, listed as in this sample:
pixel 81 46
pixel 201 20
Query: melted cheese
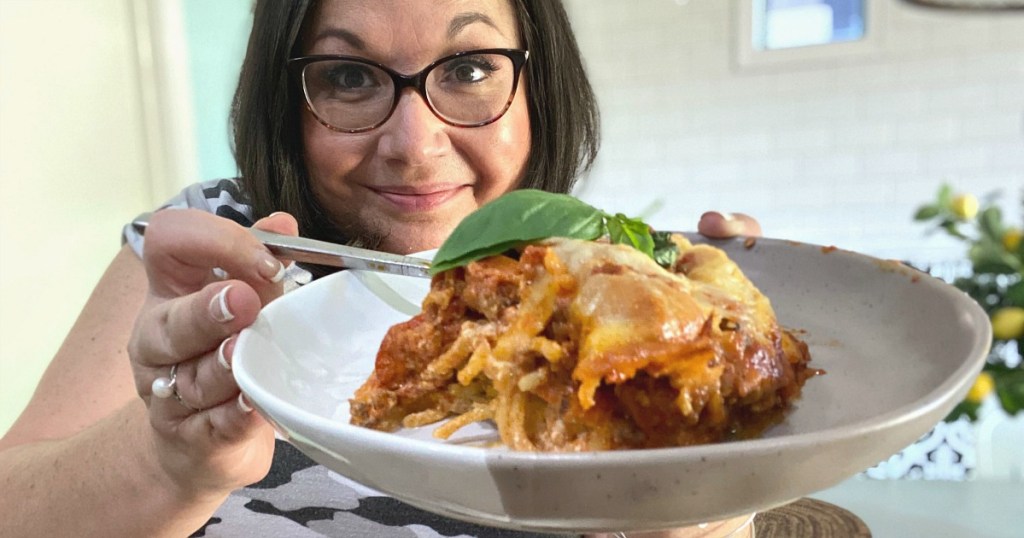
pixel 634 315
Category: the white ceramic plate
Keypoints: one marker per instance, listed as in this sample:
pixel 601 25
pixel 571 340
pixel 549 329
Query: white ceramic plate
pixel 900 348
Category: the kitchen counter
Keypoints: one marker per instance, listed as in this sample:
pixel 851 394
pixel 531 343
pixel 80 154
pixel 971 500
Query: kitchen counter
pixel 933 508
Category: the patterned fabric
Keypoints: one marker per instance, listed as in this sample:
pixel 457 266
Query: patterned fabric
pixel 222 197
pixel 300 498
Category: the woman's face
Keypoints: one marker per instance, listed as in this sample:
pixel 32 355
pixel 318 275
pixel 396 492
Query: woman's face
pixel 412 179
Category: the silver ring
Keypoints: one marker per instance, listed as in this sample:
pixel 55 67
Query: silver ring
pixel 164 388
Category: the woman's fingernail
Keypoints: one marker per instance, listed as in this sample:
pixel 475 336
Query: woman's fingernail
pixel 720 225
pixel 243 403
pixel 270 268
pixel 219 310
pixel 221 358
pixel 727 217
pixel 732 226
pixel 220 274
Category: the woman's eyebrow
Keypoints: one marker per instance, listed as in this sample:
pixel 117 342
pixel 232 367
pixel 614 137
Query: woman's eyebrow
pixel 458 23
pixel 463 20
pixel 344 35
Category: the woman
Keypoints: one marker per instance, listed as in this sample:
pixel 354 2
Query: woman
pixel 108 446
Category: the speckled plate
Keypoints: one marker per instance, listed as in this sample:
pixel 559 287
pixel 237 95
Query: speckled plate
pixel 900 348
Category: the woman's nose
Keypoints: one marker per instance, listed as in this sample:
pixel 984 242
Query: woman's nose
pixel 413 135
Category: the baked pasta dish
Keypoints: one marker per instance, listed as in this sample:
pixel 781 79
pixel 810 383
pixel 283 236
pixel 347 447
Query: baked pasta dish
pixel 576 345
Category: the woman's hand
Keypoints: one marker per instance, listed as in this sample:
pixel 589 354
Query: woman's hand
pixel 725 225
pixel 206 437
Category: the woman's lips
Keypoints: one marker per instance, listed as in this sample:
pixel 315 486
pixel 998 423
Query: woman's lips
pixel 413 200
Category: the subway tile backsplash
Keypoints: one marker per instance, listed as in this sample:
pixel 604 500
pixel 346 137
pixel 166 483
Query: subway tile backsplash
pixel 838 151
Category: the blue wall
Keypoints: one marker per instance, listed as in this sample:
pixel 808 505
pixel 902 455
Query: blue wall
pixel 216 33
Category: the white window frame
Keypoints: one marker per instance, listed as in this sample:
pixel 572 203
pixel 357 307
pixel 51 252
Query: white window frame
pixel 747 57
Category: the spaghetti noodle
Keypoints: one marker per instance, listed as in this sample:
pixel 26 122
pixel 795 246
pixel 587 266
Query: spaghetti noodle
pixel 580 345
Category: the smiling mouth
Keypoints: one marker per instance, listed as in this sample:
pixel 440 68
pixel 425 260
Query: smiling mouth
pixel 420 200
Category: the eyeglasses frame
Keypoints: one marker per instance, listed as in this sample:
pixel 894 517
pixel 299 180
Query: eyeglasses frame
pixel 417 81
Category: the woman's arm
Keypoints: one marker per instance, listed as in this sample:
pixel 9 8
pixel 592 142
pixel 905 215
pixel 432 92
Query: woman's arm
pixel 103 481
pixel 79 460
pixel 95 453
pixel 90 376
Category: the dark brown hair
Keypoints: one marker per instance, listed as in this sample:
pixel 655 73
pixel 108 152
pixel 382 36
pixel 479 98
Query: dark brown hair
pixel 265 119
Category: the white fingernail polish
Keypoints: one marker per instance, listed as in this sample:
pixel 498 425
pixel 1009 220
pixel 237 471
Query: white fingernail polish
pixel 219 306
pixel 221 359
pixel 279 275
pixel 270 267
pixel 245 407
pixel 220 274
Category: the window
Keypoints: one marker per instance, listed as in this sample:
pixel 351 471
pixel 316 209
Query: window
pixel 782 24
pixel 787 31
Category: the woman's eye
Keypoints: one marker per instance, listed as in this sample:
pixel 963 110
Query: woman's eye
pixel 469 73
pixel 469 70
pixel 351 77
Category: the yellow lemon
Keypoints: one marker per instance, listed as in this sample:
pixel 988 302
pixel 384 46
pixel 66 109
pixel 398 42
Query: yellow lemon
pixel 983 386
pixel 1008 323
pixel 1011 239
pixel 965 206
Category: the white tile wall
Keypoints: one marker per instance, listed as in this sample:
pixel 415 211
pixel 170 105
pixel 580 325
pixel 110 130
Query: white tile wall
pixel 841 151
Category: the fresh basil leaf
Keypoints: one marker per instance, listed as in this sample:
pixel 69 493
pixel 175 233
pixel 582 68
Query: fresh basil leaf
pixel 473 255
pixel 517 218
pixel 633 232
pixel 666 252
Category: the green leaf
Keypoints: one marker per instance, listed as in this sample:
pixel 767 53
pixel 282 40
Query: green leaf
pixel 989 257
pixel 951 228
pixel 926 212
pixel 1015 296
pixel 963 408
pixel 981 290
pixel 666 252
pixel 514 219
pixel 990 223
pixel 633 232
pixel 945 198
pixel 1010 389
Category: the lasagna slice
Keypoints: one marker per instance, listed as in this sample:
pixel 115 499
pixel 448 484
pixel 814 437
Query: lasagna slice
pixel 580 345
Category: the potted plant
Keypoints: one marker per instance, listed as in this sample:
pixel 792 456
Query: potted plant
pixel 995 279
pixel 996 282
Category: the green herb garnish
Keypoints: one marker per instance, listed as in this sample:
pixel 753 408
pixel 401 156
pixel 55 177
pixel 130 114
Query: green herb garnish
pixel 666 252
pixel 622 229
pixel 528 215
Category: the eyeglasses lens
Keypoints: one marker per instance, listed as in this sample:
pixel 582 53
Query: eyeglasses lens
pixel 466 90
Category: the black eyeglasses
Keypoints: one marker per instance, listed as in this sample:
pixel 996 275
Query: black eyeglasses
pixel 353 95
